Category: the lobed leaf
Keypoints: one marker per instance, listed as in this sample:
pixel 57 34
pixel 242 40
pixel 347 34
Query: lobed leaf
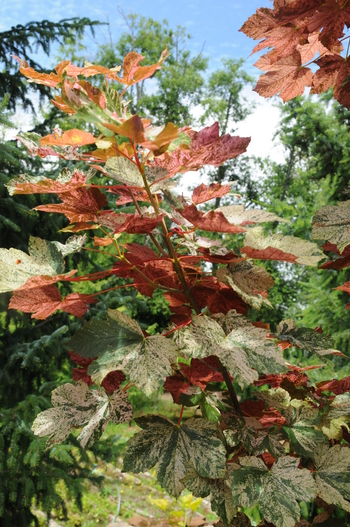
pixel 171 448
pixel 332 223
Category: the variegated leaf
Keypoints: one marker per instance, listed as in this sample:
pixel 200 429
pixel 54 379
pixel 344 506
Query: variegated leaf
pixel 306 338
pixel 205 338
pixel 301 431
pixel 221 495
pixel 16 267
pixel 332 475
pixel 279 247
pixel 243 352
pixel 276 491
pixel 171 448
pixel 124 171
pixel 249 281
pixel 340 406
pixel 332 223
pixel 75 406
pixel 237 215
pixel 275 397
pixel 73 244
pixel 119 344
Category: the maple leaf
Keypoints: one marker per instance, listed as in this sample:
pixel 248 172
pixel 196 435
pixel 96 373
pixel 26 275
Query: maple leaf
pixel 244 350
pixel 50 80
pixel 286 77
pixel 332 223
pixel 249 281
pixel 237 215
pixel 205 193
pixel 340 406
pixel 276 491
pixel 133 72
pixel 212 221
pixel 42 185
pixel 218 297
pixel 171 447
pixel 338 263
pixel 335 386
pixel 124 171
pixel 72 137
pixel 207 148
pixel 44 301
pixel 306 338
pixel 16 267
pixel 131 223
pixel 79 205
pixel 119 344
pixel 330 19
pixel 259 24
pixel 221 495
pixel 332 469
pixel 300 430
pixel 76 406
pixel 279 247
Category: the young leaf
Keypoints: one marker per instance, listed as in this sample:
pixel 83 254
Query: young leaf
pixel 75 406
pixel 70 138
pixel 306 338
pixel 171 447
pixel 249 281
pixel 276 491
pixel 211 221
pixel 332 223
pixel 119 344
pixel 279 247
pixel 332 475
pixel 16 267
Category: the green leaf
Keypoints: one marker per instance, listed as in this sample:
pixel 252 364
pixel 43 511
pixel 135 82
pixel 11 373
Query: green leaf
pixel 124 171
pixel 16 267
pixel 340 406
pixel 276 491
pixel 221 495
pixel 303 437
pixel 306 338
pixel 242 352
pixel 270 442
pixel 119 344
pixel 332 223
pixel 332 475
pixel 248 281
pixel 76 405
pixel 171 447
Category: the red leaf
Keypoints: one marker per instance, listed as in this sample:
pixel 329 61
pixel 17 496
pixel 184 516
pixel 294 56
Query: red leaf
pixel 131 223
pixel 111 382
pixel 70 138
pixel 205 193
pixel 218 297
pixel 335 386
pixel 286 78
pixel 78 205
pixel 269 460
pixel 45 300
pixel 346 288
pixel 176 385
pixel 207 148
pixel 259 24
pixel 125 196
pixel 50 186
pixel 212 221
pixel 252 408
pixel 201 372
pixel 144 253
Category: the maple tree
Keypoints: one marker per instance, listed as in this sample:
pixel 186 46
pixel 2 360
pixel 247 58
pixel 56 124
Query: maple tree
pixel 289 442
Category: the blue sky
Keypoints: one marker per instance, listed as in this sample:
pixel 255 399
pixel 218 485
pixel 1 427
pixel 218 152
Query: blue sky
pixel 213 22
